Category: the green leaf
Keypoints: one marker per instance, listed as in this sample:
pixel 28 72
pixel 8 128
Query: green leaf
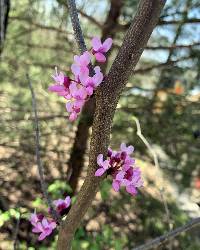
pixel 104 189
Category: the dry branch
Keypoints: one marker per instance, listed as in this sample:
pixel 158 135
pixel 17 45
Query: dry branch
pixel 39 162
pixel 170 235
pixel 156 164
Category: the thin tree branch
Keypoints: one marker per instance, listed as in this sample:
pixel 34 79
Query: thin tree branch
pixel 91 19
pixel 173 46
pixel 164 22
pixel 170 235
pixel 187 21
pixel 76 25
pixel 162 65
pixel 156 164
pixel 15 238
pixel 39 162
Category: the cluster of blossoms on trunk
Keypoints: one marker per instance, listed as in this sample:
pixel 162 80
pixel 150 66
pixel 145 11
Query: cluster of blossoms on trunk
pixel 45 225
pixel 77 90
pixel 121 166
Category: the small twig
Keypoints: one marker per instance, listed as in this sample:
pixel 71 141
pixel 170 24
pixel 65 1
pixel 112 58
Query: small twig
pixel 77 29
pixel 76 25
pixel 39 163
pixel 170 235
pixel 15 237
pixel 156 163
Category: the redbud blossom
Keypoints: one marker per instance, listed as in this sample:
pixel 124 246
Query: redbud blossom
pixel 78 90
pixel 99 49
pixel 122 169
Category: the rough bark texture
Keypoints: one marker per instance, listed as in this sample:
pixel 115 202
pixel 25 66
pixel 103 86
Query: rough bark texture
pixel 76 160
pixel 107 97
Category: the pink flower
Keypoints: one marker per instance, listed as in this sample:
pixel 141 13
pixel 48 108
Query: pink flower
pixel 99 49
pixel 122 169
pixel 74 107
pixel 42 225
pixel 93 81
pixel 116 185
pixel 104 165
pixel 132 180
pixel 77 91
pixel 62 204
pixel 61 86
pixel 35 218
pixel 127 149
pixel 81 64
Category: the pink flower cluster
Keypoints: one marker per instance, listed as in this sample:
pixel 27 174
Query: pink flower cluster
pixel 77 90
pixel 45 226
pixel 122 169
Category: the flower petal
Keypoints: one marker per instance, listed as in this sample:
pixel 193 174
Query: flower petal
pixel 106 164
pixel 120 175
pixel 116 185
pixel 130 150
pixel 96 43
pixel 107 44
pixel 100 172
pixel 131 189
pixel 100 57
pixel 68 201
pixel 69 107
pixel 100 160
pixel 42 236
pixel 36 230
pixel 73 116
pixel 56 88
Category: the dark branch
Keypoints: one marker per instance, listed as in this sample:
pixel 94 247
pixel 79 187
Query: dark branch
pixel 170 235
pixel 15 238
pixel 39 162
pixel 76 25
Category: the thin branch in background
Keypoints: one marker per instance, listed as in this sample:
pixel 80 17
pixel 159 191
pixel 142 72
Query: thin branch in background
pixel 170 235
pixel 156 163
pixel 77 29
pixel 16 231
pixel 76 25
pixel 39 163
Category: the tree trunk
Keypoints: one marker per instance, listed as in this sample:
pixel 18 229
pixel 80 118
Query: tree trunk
pixel 76 160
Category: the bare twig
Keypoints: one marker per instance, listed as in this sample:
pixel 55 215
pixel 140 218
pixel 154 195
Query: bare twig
pixel 156 163
pixel 162 65
pixel 15 237
pixel 170 235
pixel 76 25
pixel 39 163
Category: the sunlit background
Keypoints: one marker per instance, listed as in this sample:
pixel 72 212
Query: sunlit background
pixel 163 93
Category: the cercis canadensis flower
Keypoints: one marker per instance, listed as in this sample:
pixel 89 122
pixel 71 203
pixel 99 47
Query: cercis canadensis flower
pixel 42 225
pixel 62 205
pixel 121 166
pixel 78 89
pixel 45 226
pixel 99 49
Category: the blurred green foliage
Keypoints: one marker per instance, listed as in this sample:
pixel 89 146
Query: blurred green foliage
pixel 39 38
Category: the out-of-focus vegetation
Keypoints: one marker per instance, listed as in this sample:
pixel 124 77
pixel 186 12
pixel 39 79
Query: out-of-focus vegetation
pixel 164 94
